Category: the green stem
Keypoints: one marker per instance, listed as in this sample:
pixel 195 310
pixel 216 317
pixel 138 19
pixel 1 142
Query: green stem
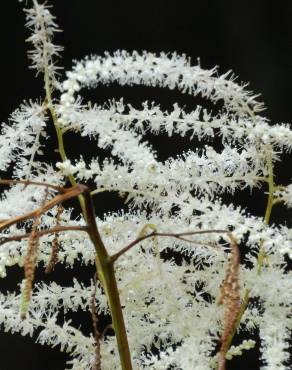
pixel 271 192
pixel 106 275
pixel 104 265
pixel 110 285
pixel 272 187
pixel 61 147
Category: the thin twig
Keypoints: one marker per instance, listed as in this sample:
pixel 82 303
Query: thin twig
pixel 195 242
pixel 53 230
pixel 60 189
pixel 179 236
pixel 67 194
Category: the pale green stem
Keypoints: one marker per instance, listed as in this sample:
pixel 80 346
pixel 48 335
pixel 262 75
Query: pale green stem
pixel 61 147
pixel 106 275
pixel 34 150
pixel 105 269
pixel 271 187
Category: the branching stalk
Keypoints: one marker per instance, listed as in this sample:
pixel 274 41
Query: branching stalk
pixel 179 236
pixel 271 187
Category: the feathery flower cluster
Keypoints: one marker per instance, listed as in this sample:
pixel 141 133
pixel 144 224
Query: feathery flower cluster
pixel 169 283
pixel 41 22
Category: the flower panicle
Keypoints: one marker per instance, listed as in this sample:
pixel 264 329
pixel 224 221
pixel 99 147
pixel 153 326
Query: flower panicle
pixel 43 56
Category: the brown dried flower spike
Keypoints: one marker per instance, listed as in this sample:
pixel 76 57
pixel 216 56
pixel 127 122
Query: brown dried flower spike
pixel 30 260
pixel 231 299
pixel 55 243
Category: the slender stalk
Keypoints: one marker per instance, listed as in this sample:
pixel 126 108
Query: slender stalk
pixel 106 275
pixel 52 230
pixel 179 236
pixel 59 189
pixel 61 147
pixel 104 266
pixel 271 191
pixel 69 194
pixel 267 217
pixel 50 106
pixel 112 292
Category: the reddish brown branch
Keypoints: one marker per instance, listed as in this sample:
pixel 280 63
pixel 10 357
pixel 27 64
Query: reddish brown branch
pixel 53 230
pixel 179 236
pixel 66 194
pixel 26 183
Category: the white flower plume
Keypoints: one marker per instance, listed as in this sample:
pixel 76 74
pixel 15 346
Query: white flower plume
pixel 169 285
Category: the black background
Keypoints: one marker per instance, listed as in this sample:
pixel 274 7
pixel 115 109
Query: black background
pixel 252 38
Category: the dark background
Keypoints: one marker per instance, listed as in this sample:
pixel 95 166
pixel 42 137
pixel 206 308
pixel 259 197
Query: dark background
pixel 252 38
